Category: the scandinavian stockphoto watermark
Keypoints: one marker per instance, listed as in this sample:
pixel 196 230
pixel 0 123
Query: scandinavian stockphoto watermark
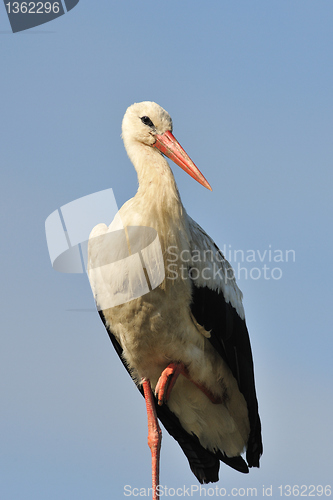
pixel 24 15
pixel 128 262
pixel 190 491
pixel 269 491
pixel 228 264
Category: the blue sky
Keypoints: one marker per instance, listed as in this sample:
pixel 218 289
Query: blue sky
pixel 249 88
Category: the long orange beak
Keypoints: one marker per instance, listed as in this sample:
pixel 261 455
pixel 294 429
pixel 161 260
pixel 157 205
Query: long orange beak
pixel 170 147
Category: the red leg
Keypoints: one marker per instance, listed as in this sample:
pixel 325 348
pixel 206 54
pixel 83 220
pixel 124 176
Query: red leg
pixel 154 436
pixel 168 379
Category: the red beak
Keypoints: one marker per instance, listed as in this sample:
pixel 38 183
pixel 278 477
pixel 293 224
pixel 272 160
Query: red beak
pixel 170 147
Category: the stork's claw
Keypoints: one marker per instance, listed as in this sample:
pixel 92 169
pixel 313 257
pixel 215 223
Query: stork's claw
pixel 167 380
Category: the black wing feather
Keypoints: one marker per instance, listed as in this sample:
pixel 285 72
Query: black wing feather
pixel 229 336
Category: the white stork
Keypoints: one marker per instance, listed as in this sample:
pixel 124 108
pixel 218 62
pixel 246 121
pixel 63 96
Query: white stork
pixel 184 343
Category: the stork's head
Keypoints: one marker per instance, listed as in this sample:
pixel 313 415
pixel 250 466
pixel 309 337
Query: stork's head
pixel 148 124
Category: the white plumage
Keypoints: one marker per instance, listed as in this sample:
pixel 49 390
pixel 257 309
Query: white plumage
pixel 161 326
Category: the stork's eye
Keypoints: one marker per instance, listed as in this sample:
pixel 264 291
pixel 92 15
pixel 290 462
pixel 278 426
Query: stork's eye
pixel 147 121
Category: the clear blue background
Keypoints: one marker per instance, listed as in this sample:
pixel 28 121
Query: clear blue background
pixel 249 88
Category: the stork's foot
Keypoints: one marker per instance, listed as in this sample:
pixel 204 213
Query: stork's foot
pixel 154 436
pixel 168 379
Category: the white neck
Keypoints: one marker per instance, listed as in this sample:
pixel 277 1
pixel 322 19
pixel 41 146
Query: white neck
pixel 156 181
pixel 158 198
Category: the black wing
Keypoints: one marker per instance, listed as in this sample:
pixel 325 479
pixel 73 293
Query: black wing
pixel 203 463
pixel 229 336
pixel 217 306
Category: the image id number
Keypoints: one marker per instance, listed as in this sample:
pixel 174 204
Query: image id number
pixel 33 7
pixel 304 490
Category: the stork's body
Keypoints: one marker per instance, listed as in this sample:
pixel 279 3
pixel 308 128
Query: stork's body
pixel 211 409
